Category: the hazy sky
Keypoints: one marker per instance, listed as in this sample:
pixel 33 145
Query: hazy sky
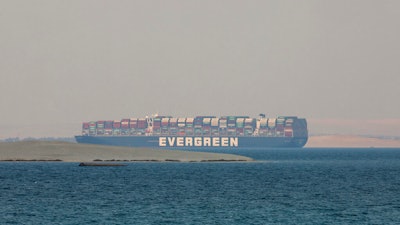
pixel 334 62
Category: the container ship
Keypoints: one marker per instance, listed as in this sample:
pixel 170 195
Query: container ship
pixel 200 132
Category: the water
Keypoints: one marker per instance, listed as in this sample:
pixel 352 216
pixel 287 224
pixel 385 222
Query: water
pixel 286 186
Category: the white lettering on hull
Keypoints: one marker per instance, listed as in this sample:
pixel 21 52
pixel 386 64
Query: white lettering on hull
pixel 198 142
pixel 188 141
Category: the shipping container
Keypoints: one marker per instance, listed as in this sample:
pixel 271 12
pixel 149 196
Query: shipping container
pixel 108 131
pixel 125 123
pixel 189 131
pixel 156 122
pixel 125 131
pixel 231 131
pixel 165 122
pixel 198 120
pixel 271 123
pixel 214 122
pixel 116 124
pixel 142 124
pixel 173 130
pixel 108 124
pixel 85 132
pixel 271 132
pixel 223 123
pixel 214 131
pixel 231 121
pixel 164 130
pixel 173 122
pixel 133 122
pixel 181 131
pixel 223 131
pixel 206 121
pixel 279 127
pixel 239 131
pixel 100 131
pixel 181 122
pixel 263 123
pixel 198 131
pixel 85 125
pixel 280 119
pixel 92 128
pixel 249 123
pixel 206 130
pixel 92 124
pixel 100 124
pixel 263 131
pixel 157 131
pixel 288 132
pixel 116 131
pixel 289 122
pixel 189 122
pixel 240 122
pixel 248 131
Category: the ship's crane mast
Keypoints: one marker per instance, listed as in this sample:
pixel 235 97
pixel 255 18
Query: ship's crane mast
pixel 149 120
pixel 257 129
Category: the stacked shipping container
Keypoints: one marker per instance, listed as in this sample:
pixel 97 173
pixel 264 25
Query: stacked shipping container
pixel 198 126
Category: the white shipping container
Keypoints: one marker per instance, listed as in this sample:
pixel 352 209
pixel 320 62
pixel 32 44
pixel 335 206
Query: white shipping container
pixel 272 123
pixel 206 120
pixel 181 122
pixel 173 120
pixel 263 122
pixel 248 121
pixel 215 122
pixel 240 120
pixel 280 120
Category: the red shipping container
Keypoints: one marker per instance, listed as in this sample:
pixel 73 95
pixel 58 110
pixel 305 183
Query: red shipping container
pixel 116 124
pixel 133 123
pixel 85 125
pixel 288 132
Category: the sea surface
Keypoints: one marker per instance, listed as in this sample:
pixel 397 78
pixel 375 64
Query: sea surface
pixel 284 186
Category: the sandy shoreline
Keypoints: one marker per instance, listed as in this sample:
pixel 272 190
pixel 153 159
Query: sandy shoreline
pixel 71 152
pixel 349 141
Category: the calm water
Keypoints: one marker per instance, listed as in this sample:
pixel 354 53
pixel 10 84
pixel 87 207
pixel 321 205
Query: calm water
pixel 307 186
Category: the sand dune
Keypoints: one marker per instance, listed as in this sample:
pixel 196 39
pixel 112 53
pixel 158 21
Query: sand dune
pixel 350 141
pixel 71 152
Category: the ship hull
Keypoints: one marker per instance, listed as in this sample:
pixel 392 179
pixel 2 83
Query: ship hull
pixel 195 143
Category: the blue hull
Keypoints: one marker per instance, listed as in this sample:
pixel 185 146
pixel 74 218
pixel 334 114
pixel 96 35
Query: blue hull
pixel 195 143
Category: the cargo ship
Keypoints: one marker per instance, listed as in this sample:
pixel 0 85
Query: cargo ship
pixel 200 132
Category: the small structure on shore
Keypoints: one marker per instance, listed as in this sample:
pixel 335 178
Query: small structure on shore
pixel 100 164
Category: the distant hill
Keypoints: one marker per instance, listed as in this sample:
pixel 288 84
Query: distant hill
pixel 62 139
pixel 350 141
